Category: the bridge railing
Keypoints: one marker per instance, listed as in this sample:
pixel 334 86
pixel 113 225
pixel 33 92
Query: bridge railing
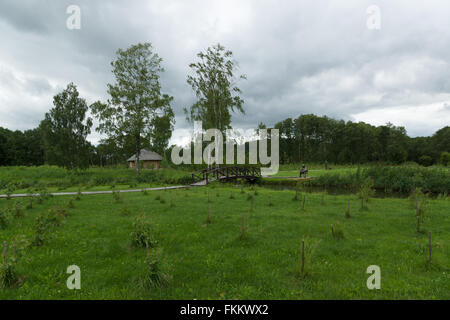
pixel 225 172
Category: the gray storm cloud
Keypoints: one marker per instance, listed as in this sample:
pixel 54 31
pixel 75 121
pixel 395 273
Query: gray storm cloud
pixel 299 57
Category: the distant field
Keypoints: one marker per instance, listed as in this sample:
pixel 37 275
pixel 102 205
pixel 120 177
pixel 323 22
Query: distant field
pixel 59 179
pixel 314 172
pixel 212 262
pixel 400 179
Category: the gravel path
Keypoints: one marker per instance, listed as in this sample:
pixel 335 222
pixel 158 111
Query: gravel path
pixel 22 195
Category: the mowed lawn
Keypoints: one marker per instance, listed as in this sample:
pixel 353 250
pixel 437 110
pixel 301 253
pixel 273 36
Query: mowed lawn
pixel 211 261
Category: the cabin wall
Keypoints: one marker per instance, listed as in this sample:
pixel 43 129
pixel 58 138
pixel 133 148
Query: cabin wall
pixel 146 164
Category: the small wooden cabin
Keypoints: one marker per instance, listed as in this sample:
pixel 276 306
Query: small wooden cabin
pixel 148 160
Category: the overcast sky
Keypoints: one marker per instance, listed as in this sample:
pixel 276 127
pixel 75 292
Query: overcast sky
pixel 299 56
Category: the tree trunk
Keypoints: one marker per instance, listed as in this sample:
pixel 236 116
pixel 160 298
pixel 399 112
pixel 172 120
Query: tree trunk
pixel 138 151
pixel 137 161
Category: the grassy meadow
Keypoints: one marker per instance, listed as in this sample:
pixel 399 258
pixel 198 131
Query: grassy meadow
pixel 54 179
pixel 228 256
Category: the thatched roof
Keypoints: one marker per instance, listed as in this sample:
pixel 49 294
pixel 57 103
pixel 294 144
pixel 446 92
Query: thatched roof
pixel 146 155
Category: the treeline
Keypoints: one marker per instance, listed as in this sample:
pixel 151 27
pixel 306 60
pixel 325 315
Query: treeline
pixel 310 138
pixel 28 148
pixel 19 148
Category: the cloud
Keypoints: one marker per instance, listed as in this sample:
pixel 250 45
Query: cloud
pixel 299 57
pixel 415 118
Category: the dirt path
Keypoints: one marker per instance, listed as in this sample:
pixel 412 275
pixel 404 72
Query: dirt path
pixel 22 195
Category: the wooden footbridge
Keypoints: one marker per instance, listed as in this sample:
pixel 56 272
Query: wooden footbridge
pixel 203 177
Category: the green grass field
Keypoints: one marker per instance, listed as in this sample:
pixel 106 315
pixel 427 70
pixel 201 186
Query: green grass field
pixel 315 172
pixel 212 261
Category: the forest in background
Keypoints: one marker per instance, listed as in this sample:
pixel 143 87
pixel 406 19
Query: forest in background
pixel 308 138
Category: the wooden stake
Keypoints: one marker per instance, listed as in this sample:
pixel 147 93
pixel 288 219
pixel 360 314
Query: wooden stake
pixel 303 255
pixel 429 244
pixel 4 252
pixel 332 230
pixel 243 224
pixel 148 250
pixel 209 213
pixel 347 214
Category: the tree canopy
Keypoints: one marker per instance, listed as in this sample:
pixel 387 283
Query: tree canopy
pixel 136 108
pixel 65 129
pixel 214 83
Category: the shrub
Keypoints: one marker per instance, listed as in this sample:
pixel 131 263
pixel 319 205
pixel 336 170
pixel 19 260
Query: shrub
pixel 153 276
pixel 407 178
pixel 78 197
pixel 18 210
pixel 337 232
pixel 418 201
pixel 142 233
pixel 445 158
pixel 45 222
pixel 41 228
pixel 4 218
pixel 125 211
pixel 10 188
pixel 70 204
pixel 8 275
pixel 116 196
pixel 426 161
pixel 43 194
pixel 56 215
pixel 365 192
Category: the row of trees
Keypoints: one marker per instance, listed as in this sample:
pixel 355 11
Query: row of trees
pixel 137 114
pixel 311 138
